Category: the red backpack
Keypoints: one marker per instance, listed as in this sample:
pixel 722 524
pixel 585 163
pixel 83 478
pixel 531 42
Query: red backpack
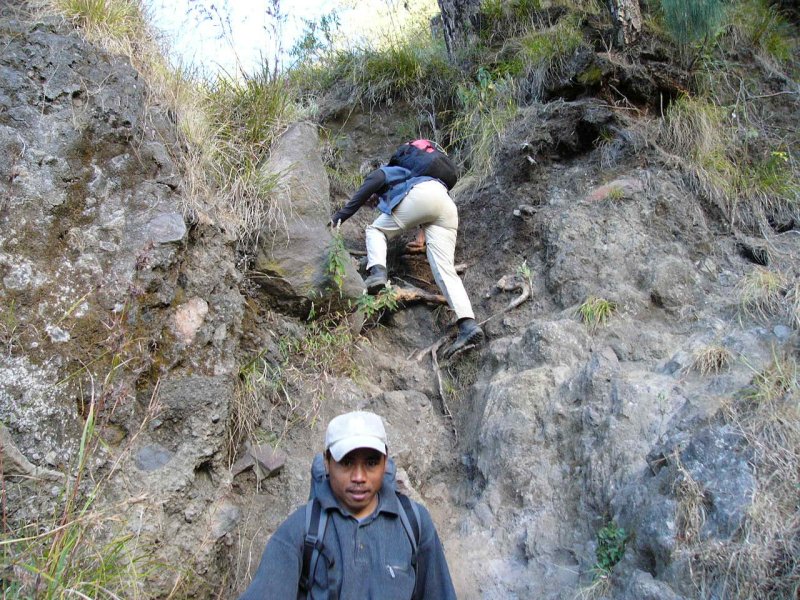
pixel 426 158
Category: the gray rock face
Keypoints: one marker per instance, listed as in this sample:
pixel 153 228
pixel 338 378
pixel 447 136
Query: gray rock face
pixel 111 301
pixel 97 269
pixel 291 261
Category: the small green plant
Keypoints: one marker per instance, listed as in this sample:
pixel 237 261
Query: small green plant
pixel 611 541
pixel 775 177
pixel 9 326
pixel 524 271
pixel 596 311
pixel 336 266
pixel 616 193
pixel 376 306
pixel 78 553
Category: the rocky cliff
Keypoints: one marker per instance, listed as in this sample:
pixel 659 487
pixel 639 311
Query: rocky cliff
pixel 669 422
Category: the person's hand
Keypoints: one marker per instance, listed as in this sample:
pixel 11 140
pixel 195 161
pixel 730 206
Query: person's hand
pixel 331 224
pixel 373 200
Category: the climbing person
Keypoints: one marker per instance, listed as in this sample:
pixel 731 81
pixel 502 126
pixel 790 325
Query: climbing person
pixel 411 191
pixel 357 538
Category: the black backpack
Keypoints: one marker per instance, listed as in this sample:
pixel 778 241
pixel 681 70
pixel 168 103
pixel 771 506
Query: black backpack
pixel 426 158
pixel 317 521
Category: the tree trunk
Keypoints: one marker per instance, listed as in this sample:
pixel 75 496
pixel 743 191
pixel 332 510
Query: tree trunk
pixel 459 21
pixel 627 17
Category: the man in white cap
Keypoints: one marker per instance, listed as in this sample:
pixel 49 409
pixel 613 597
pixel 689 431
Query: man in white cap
pixel 358 538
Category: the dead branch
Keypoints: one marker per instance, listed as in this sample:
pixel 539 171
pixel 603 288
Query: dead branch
pixel 410 293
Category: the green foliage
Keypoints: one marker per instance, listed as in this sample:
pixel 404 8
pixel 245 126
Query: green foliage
pixel 760 24
pixel 326 347
pixel 77 553
pixel 116 18
pixel 376 306
pixel 774 176
pixel 499 18
pixel 596 311
pixel 338 257
pixel 413 69
pixel 616 193
pixel 690 21
pixel 611 541
pixel 486 107
pixel 317 39
pixel 551 46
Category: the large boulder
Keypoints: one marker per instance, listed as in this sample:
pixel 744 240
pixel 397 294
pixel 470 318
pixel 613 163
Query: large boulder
pixel 293 260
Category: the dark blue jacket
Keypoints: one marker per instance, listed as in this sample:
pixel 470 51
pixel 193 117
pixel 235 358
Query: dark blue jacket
pixel 371 560
pixel 391 184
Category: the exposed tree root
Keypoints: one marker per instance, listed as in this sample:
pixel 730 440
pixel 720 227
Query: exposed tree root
pixel 409 293
pixel 15 463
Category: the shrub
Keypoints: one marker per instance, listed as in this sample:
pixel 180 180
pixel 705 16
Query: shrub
pixel 691 21
pixel 486 107
pixel 338 257
pixel 760 24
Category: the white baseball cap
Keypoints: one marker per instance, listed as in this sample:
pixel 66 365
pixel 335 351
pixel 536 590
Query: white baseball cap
pixel 354 430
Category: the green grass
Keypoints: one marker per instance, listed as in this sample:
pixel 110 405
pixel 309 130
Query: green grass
pixel 749 184
pixel 616 193
pixel 760 24
pixel 486 107
pixel 595 312
pixel 690 21
pixel 117 22
pixel 81 552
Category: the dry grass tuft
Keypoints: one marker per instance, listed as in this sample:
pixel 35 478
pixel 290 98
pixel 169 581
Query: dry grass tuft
pixel 762 293
pixel 691 511
pixel 763 559
pixel 712 359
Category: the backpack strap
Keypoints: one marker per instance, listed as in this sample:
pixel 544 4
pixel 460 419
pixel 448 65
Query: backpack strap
pixel 316 522
pixel 409 516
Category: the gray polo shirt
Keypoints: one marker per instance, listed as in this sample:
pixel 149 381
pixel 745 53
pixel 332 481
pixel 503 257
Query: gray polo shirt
pixel 371 559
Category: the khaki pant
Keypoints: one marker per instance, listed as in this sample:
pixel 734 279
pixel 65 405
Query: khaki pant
pixel 427 204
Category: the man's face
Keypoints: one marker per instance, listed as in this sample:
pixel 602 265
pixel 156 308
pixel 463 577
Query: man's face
pixel 357 479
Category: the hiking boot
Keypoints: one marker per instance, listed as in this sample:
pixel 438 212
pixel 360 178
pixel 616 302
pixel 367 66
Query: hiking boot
pixel 469 332
pixel 377 279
